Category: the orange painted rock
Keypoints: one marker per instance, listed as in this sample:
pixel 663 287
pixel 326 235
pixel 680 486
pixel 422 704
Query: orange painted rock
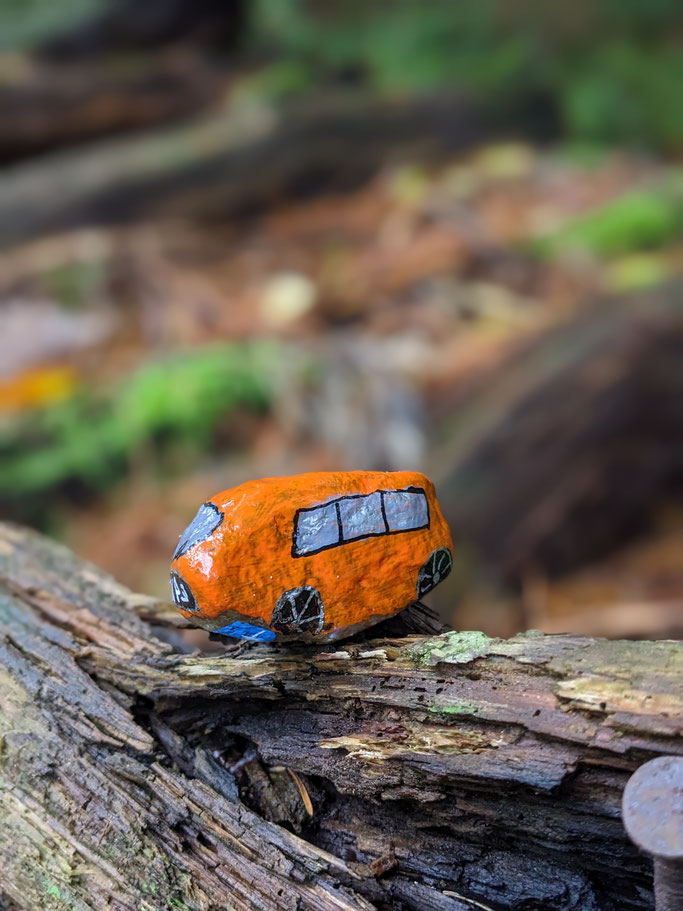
pixel 315 556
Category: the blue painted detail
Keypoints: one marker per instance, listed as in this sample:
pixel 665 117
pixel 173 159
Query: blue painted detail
pixel 239 630
pixel 207 520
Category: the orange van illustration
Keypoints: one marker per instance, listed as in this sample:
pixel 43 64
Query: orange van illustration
pixel 315 556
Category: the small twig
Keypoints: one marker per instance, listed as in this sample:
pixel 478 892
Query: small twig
pixel 302 790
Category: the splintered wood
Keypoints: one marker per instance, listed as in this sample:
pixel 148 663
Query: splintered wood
pixel 448 771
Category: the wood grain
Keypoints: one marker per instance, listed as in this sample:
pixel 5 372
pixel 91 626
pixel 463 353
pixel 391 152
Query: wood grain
pixel 441 771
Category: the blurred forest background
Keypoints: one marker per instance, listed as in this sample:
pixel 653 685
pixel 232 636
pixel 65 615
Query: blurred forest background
pixel 256 238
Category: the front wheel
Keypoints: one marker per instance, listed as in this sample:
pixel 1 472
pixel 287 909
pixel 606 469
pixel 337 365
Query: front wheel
pixel 437 567
pixel 299 610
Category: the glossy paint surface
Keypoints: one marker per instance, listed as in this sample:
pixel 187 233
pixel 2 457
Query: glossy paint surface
pixel 203 525
pixel 359 539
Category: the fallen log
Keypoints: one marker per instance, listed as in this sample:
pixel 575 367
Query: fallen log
pixel 419 772
pixel 565 449
pixel 242 158
pixel 46 106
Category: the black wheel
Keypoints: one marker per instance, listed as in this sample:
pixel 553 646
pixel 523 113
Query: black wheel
pixel 437 567
pixel 299 610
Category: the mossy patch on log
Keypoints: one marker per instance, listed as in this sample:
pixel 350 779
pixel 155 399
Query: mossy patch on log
pixel 452 648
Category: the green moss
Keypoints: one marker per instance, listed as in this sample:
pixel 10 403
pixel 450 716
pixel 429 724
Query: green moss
pixel 164 893
pixel 638 270
pixel 456 708
pixel 638 220
pixel 57 897
pixel 452 648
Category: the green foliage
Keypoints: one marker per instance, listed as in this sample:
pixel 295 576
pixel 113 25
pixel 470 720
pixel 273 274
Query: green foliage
pixel 164 407
pixel 638 270
pixel 613 67
pixel 24 23
pixel 72 283
pixel 625 91
pixel 638 220
pixel 409 45
pixel 278 80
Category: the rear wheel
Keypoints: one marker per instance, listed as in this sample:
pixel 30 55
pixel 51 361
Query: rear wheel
pixel 436 568
pixel 299 610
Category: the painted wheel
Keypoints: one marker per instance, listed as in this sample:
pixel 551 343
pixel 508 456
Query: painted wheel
pixel 437 567
pixel 299 610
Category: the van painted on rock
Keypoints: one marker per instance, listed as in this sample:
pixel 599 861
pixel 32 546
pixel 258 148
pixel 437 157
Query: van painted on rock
pixel 315 556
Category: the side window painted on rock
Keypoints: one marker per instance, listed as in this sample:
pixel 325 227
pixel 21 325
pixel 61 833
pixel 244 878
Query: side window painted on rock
pixel 358 516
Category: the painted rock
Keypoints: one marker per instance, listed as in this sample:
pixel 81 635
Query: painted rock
pixel 315 556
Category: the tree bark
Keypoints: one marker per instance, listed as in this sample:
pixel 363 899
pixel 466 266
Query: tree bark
pixel 420 772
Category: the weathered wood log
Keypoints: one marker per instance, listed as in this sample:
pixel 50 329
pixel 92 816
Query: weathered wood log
pixel 48 106
pixel 447 772
pixel 240 159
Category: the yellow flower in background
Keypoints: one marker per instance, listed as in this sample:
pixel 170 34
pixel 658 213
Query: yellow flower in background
pixel 36 387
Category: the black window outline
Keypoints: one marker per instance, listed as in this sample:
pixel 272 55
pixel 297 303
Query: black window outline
pixel 182 546
pixel 336 543
pixel 375 534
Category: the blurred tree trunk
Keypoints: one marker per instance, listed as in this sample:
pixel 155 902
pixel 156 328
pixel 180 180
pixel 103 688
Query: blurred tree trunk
pixel 562 451
pixel 404 773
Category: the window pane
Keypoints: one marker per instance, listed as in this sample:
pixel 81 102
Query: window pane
pixel 406 509
pixel 362 516
pixel 207 520
pixel 316 528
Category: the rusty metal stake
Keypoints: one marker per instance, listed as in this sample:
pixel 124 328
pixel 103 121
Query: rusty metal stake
pixel 652 810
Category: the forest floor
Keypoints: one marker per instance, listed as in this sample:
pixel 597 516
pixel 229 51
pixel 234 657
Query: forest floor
pixel 361 312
